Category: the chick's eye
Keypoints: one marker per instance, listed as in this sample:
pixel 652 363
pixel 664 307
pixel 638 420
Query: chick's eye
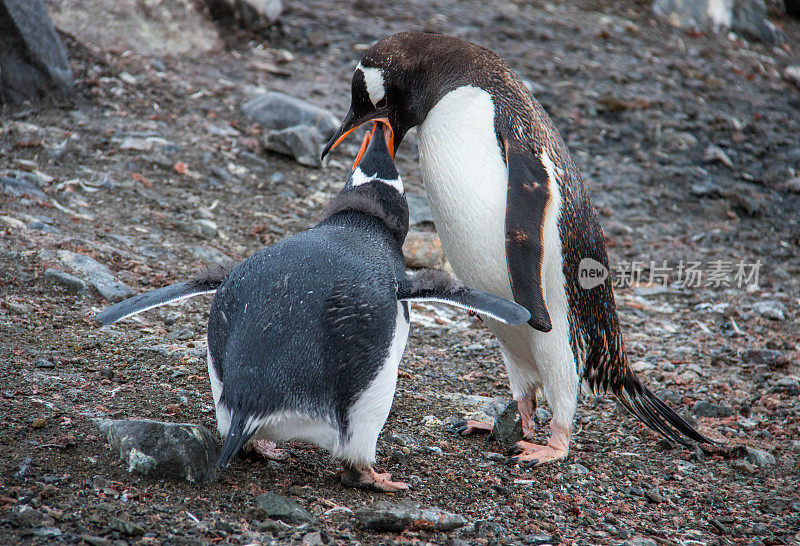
pixel 381 103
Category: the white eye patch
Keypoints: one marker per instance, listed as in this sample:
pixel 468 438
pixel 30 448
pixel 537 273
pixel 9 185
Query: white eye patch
pixel 373 77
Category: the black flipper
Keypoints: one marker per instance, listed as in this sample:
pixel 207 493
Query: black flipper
pixel 434 285
pixel 204 283
pixel 528 194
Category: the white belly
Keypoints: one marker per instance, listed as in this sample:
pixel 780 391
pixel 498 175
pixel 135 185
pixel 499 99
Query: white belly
pixel 466 182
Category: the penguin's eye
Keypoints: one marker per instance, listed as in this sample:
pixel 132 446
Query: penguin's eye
pixel 381 103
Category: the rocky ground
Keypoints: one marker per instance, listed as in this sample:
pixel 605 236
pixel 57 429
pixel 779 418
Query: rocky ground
pixel 689 145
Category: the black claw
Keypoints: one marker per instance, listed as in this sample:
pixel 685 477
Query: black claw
pixel 511 461
pixel 459 428
pixel 514 450
pixel 531 464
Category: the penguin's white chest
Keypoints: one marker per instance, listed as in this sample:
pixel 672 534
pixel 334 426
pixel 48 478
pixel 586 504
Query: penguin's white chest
pixel 466 180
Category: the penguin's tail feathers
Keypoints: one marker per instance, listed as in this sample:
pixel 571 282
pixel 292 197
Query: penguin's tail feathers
pixel 652 411
pixel 206 282
pixel 239 433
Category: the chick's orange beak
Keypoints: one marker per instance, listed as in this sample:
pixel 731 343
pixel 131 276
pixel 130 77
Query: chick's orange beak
pixel 388 135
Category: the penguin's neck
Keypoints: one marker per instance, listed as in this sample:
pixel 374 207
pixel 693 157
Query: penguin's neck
pixel 378 200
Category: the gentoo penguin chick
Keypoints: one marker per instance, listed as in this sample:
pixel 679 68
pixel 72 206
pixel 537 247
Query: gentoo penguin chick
pixel 305 336
pixel 514 218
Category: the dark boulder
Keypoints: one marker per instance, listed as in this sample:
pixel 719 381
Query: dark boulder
pixel 33 64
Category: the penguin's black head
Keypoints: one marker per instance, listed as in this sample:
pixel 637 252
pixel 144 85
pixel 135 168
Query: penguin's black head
pixel 400 79
pixel 374 187
pixel 375 160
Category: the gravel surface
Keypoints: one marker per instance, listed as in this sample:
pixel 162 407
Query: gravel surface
pixel 689 144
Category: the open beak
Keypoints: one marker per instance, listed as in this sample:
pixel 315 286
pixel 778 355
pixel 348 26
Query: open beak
pixel 388 137
pixel 348 127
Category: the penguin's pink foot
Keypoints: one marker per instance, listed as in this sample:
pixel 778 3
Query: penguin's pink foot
pixel 530 455
pixel 367 478
pixel 466 428
pixel 267 449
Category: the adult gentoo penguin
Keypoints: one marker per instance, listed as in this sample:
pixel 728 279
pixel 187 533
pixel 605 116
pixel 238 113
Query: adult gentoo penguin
pixel 305 336
pixel 514 218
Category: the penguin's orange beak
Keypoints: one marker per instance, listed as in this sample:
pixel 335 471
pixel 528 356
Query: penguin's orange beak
pixel 348 127
pixel 388 135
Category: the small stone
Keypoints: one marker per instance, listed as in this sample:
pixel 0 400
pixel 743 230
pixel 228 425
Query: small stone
pixel 579 469
pixel 679 141
pixel 744 466
pixel 13 222
pixel 747 18
pixel 709 409
pixel 44 363
pixel 398 439
pixel 93 272
pixel 181 334
pixel 125 527
pixel 432 421
pixel 208 255
pixel 542 416
pixel 642 365
pixel 23 469
pixel 38 423
pixel 770 309
pixel 538 539
pixel 707 188
pixel 277 177
pixel 47 532
pixel 313 539
pixel 507 429
pixel 72 284
pixel 19 187
pixel 792 75
pixel 250 14
pixel 423 249
pixel 654 495
pixel 137 144
pixel 746 423
pixel 300 142
pixel 43 226
pixel 639 540
pixel 789 385
pixel 792 185
pixel 204 228
pixel 715 153
pixel 486 528
pixel 768 357
pixel 282 509
pixel 276 111
pixel 164 450
pixel 755 456
pixel 389 516
pixel 27 516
